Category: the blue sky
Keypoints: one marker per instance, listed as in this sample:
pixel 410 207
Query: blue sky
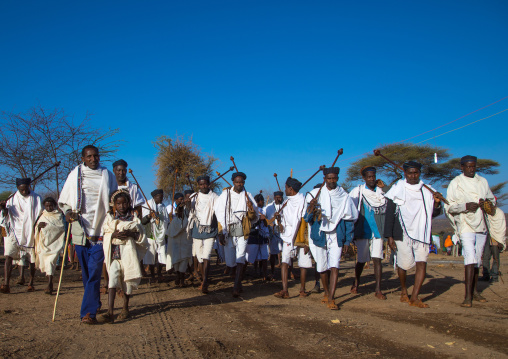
pixel 276 84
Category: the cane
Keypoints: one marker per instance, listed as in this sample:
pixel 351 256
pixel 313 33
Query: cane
pixel 61 271
pixel 275 175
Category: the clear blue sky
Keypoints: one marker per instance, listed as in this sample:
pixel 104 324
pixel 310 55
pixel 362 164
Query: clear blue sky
pixel 276 84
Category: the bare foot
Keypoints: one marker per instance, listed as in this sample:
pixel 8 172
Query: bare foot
pixel 404 298
pixel 418 303
pixel 380 295
pixel 354 289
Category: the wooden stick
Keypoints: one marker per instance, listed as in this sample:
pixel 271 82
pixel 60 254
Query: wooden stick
pixel 225 180
pixel 275 175
pixel 190 183
pixel 249 204
pixel 439 195
pixel 315 173
pixel 62 269
pixel 143 193
pixel 339 152
pixel 222 175
pixel 173 196
pixel 56 164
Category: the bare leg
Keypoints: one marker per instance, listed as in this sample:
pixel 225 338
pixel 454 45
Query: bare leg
pixel 125 308
pixel 238 279
pixel 325 277
pixel 32 274
pixel 21 279
pixel 334 276
pixel 264 268
pixel 159 273
pixel 468 279
pixel 273 257
pixel 50 284
pixel 358 272
pixel 303 275
pixel 7 270
pixel 151 268
pixel 477 296
pixel 377 274
pixel 111 301
pixel 421 269
pixel 285 270
pixel 403 289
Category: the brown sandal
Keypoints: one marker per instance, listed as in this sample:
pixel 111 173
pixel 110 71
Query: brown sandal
pixel 419 304
pixel 325 299
pixel 282 295
pixel 303 294
pixel 204 288
pixel 404 298
pixel 354 289
pixel 331 305
pixel 30 288
pixel 88 320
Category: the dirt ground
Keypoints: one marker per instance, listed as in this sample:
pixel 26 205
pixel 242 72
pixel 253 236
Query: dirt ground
pixel 183 323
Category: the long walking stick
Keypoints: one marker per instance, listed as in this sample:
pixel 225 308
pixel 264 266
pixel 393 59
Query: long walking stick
pixel 315 173
pixel 56 164
pixel 339 152
pixel 143 193
pixel 216 179
pixel 278 185
pixel 249 204
pixel 439 195
pixel 173 196
pixel 225 180
pixel 61 270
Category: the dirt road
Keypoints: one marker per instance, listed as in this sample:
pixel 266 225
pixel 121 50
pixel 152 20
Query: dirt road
pixel 183 323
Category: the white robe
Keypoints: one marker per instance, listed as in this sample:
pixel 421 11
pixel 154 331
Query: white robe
pixel 21 217
pixel 202 211
pixel 134 192
pixel 131 251
pixel 89 194
pixel 375 199
pixel 49 241
pixel 336 205
pixel 415 205
pixel 291 217
pixel 233 213
pixel 158 231
pixel 460 191
pixel 179 243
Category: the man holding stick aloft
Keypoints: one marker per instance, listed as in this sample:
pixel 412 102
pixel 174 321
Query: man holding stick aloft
pixel 467 194
pixel 85 202
pixel 408 223
pixel 338 214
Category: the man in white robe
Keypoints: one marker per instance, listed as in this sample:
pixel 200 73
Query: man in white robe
pixel 179 246
pixel 236 211
pixel 275 243
pixel 203 227
pixel 466 195
pixel 291 217
pixel 369 227
pixel 159 221
pixel 18 216
pixel 408 224
pixel 85 201
pixel 49 240
pixel 257 244
pixel 122 182
pixel 338 214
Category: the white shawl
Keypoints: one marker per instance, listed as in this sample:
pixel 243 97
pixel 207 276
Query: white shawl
pixel 462 190
pixel 497 227
pixel 336 205
pixel 229 214
pixel 131 251
pixel 415 206
pixel 22 212
pixel 291 216
pixel 72 194
pixel 202 211
pixel 134 192
pixel 49 241
pixel 158 231
pixel 375 199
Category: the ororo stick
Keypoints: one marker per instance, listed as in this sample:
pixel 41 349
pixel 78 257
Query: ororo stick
pixel 61 270
pixel 56 164
pixel 143 193
pixel 225 180
pixel 278 185
pixel 439 195
pixel 315 173
pixel 216 179
pixel 339 152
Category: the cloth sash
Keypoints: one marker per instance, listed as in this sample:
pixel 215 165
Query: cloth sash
pixel 415 205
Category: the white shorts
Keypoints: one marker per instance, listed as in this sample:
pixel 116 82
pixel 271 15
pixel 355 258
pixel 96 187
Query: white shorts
pixel 472 248
pixel 116 275
pixel 319 255
pixel 369 248
pixel 275 245
pixel 409 252
pixel 11 249
pixel 257 252
pixel 290 252
pixel 235 250
pixel 153 249
pixel 202 248
pixel 333 251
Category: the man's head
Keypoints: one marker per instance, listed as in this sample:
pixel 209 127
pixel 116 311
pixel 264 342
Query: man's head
pixel 260 200
pixel 331 177
pixel 369 176
pixel 412 171
pixel 468 166
pixel 292 186
pixel 204 184
pixel 23 186
pixel 158 196
pixel 278 197
pixel 49 204
pixel 120 171
pixel 90 157
pixel 187 193
pixel 238 179
pixel 121 201
pixel 178 199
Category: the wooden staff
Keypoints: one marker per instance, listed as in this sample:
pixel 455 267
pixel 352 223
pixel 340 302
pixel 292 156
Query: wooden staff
pixel 249 204
pixel 438 195
pixel 339 152
pixel 275 175
pixel 225 180
pixel 216 179
pixel 315 173
pixel 143 193
pixel 62 269
pixel 173 196
pixel 38 177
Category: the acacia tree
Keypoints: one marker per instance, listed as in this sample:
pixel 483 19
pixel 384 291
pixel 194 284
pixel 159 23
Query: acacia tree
pixel 35 139
pixel 182 155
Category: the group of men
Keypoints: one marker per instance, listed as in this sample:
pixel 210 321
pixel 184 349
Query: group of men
pixel 317 226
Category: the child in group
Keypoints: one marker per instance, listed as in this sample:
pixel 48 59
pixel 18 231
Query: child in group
pixel 125 244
